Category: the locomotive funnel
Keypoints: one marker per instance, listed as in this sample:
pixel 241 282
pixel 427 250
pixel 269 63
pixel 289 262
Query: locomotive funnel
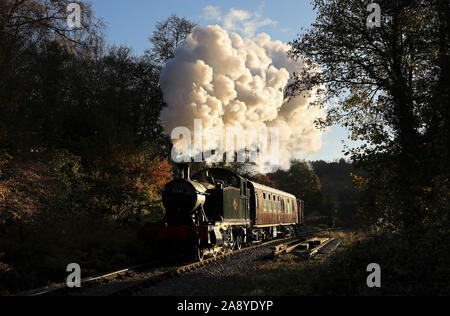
pixel 185 169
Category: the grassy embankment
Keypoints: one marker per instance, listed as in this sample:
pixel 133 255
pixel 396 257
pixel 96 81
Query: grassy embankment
pixel 420 268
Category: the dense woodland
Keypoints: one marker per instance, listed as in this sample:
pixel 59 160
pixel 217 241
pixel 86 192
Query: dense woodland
pixel 83 158
pixel 389 86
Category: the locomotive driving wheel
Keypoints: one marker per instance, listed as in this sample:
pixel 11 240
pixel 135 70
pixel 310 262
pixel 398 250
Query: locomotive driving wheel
pixel 199 252
pixel 238 242
pixel 216 251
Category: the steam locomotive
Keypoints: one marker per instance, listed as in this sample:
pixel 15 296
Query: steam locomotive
pixel 217 210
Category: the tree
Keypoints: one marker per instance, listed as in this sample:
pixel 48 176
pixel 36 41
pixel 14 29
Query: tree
pixel 338 194
pixel 265 180
pixel 73 116
pixel 24 23
pixel 390 87
pixel 39 59
pixel 301 181
pixel 168 35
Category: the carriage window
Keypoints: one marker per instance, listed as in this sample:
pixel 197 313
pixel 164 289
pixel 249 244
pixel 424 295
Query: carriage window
pixel 264 201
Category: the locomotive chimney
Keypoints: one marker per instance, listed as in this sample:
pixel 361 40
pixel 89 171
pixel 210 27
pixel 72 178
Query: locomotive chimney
pixel 185 171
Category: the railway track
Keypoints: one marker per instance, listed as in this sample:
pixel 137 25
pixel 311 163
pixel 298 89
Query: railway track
pixel 62 289
pixel 310 247
pixel 193 266
pixel 165 272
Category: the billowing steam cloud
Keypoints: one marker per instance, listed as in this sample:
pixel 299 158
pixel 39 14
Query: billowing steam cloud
pixel 226 81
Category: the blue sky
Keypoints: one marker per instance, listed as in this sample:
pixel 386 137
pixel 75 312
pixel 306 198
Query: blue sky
pixel 130 23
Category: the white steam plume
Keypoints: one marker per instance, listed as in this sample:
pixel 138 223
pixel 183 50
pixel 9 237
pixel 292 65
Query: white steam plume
pixel 226 81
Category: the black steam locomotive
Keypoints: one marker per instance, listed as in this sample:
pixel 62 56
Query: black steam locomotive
pixel 217 210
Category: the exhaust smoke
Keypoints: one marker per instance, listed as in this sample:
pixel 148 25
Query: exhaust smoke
pixel 230 82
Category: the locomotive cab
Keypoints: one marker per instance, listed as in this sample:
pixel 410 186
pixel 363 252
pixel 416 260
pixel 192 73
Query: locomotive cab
pixel 231 196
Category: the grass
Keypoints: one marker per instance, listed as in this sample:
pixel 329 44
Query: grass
pixel 406 270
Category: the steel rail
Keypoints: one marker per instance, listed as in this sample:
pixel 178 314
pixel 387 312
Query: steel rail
pixel 62 288
pixel 193 266
pixel 198 264
pixel 316 250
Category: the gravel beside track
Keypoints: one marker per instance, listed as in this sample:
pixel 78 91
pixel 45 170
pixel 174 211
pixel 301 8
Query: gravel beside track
pixel 209 280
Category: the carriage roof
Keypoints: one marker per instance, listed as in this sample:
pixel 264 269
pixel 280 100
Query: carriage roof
pixel 271 190
pixel 255 184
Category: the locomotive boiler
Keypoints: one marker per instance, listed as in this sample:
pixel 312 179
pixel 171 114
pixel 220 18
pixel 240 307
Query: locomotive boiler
pixel 217 210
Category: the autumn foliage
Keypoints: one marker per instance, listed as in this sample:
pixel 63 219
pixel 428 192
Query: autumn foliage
pixel 82 156
pixel 55 209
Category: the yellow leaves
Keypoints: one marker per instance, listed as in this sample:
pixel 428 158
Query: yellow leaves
pixel 22 194
pixel 359 182
pixel 4 191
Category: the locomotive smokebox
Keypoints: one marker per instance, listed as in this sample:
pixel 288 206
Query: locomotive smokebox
pixel 181 198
